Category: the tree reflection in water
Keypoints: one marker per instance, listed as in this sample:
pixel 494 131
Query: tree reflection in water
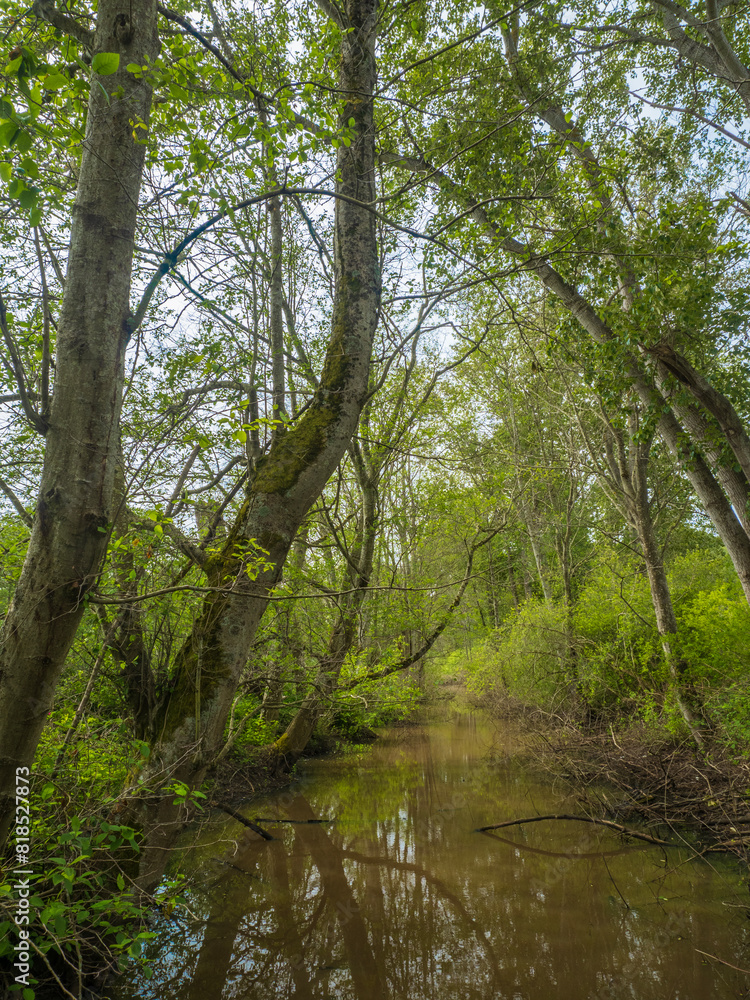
pixel 400 900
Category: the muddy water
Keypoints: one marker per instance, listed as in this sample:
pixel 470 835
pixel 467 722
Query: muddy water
pixel 398 899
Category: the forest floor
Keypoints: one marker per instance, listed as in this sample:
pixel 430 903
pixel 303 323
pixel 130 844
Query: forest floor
pixel 670 785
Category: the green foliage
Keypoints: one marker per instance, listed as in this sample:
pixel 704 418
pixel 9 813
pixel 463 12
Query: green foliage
pixel 490 408
pixel 610 644
pixel 85 911
pixel 373 703
pixel 527 657
pixel 255 729
pixel 99 757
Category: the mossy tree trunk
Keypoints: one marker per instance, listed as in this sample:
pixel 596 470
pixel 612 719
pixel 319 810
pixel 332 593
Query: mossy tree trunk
pixel 287 481
pixel 75 502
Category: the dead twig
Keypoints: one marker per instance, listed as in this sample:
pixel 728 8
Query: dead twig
pixel 728 964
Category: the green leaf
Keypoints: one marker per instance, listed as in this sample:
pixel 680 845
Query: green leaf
pixel 106 63
pixel 24 141
pixel 6 171
pixel 28 994
pixel 8 132
pixel 56 81
pixel 28 198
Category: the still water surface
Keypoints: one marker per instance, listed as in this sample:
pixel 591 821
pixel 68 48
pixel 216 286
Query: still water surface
pixel 398 899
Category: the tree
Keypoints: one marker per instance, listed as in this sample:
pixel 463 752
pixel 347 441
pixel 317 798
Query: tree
pixel 80 422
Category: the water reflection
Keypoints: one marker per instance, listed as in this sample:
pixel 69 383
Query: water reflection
pixel 399 900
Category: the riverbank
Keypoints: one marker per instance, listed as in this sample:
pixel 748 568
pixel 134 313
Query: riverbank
pixel 644 775
pixel 244 774
pixel 665 784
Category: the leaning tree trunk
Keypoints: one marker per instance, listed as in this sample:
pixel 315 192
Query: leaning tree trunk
pixel 74 506
pixel 287 481
pixel 661 597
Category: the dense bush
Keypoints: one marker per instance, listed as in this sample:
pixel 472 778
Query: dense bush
pixel 604 654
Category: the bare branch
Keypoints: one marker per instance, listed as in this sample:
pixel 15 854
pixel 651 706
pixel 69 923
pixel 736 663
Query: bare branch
pixel 27 519
pixel 618 827
pixel 37 422
pixel 181 480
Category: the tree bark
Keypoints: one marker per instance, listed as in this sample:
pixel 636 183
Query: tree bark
pixel 709 397
pixel 74 505
pixel 288 480
pixel 661 597
pixel 277 314
pixel 707 435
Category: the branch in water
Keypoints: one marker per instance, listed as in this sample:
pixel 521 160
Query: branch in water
pixel 241 819
pixel 306 822
pixel 581 819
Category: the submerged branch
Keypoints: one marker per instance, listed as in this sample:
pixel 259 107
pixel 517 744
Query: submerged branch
pixel 618 827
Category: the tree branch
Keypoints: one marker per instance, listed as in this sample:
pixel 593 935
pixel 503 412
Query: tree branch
pixel 27 519
pixel 45 11
pixel 430 641
pixel 331 9
pixel 618 827
pixel 37 422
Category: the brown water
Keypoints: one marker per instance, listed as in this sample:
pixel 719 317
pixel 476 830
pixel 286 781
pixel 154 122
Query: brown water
pixel 398 899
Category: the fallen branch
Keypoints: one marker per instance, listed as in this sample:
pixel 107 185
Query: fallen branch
pixel 626 831
pixel 306 822
pixel 241 819
pixel 728 964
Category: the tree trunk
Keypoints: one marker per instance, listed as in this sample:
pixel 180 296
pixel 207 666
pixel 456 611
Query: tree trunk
pixel 274 686
pixel 74 506
pixel 292 743
pixel 714 401
pixel 277 314
pixel 536 549
pixel 707 436
pixel 661 598
pixel 289 479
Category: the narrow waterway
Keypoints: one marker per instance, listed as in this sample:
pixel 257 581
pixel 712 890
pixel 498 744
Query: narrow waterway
pixel 397 898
